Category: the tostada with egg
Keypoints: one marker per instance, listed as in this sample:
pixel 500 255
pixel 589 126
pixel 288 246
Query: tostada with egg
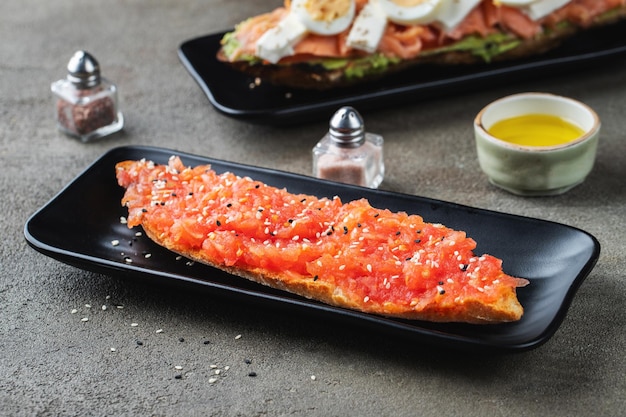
pixel 321 44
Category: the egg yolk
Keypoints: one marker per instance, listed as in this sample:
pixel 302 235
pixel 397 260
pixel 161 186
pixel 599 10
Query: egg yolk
pixel 408 3
pixel 327 10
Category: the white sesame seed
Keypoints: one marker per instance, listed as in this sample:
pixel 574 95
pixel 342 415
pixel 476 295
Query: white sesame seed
pixel 342 267
pixel 113 349
pixel 212 380
pixel 88 305
pixel 212 366
pixel 115 242
pixel 74 311
pixel 123 220
pixel 366 299
pixel 226 368
pixel 135 325
pixel 85 319
pixel 178 367
pixel 159 331
pixel 238 337
pixel 369 268
pixel 313 377
pixel 104 307
pixel 217 372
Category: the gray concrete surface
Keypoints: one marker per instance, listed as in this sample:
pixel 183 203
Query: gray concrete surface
pixel 53 364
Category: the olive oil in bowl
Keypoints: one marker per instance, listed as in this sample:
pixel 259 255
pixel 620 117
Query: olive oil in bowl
pixel 536 144
pixel 536 130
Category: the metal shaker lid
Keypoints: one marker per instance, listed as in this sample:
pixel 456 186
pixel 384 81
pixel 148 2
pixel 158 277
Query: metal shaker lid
pixel 83 70
pixel 347 127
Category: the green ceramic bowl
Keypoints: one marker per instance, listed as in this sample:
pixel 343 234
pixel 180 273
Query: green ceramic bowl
pixel 537 170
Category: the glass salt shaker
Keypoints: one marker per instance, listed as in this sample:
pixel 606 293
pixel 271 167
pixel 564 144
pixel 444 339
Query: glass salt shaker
pixel 349 154
pixel 86 103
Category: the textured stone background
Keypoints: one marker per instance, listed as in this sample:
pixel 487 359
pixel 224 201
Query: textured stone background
pixel 52 363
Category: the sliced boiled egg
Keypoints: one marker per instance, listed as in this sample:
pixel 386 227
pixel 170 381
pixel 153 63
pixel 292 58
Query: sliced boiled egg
pixel 322 17
pixel 410 12
pixel 535 9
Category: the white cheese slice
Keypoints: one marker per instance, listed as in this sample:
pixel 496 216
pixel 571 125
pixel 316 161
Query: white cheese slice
pixel 279 41
pixel 542 8
pixel 452 12
pixel 368 28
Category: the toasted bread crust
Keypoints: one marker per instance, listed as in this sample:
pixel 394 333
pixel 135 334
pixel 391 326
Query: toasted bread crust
pixel 473 311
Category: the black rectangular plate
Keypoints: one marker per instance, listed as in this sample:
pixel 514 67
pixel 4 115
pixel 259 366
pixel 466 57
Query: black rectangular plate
pixel 230 93
pixel 78 225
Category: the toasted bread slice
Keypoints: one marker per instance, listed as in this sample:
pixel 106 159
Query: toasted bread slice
pixel 347 255
pixel 324 73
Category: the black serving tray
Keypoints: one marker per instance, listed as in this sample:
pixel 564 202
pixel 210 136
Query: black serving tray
pixel 230 93
pixel 78 225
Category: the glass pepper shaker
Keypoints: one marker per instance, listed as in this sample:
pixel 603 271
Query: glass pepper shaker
pixel 349 154
pixel 86 104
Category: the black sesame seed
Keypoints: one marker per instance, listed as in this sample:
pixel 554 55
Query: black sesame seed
pixel 398 233
pixel 257 186
pixel 173 194
pixel 218 223
pixel 315 278
pixel 178 376
pixel 190 193
pixel 181 339
pixel 247 361
pixel 440 282
pixel 442 292
pixel 252 374
pixel 417 240
pixel 377 214
pixel 464 267
pixel 358 225
pixel 206 342
pixel 143 210
pixel 345 230
pixel 139 343
pixel 290 221
pixel 229 205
